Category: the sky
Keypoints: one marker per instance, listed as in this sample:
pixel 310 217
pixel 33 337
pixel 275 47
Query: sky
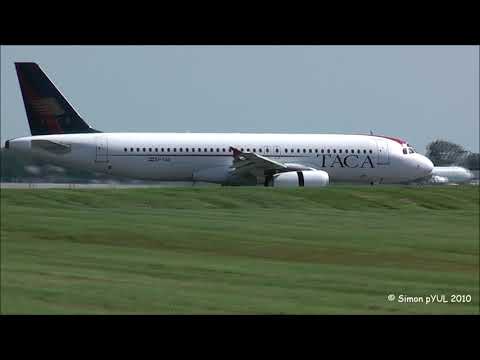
pixel 418 93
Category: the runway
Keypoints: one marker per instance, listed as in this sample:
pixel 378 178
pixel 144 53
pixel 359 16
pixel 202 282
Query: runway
pixel 5 185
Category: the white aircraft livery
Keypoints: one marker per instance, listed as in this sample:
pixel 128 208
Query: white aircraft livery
pixel 61 136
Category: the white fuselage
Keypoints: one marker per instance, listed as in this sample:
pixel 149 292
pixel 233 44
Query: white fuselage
pixel 208 157
pixel 451 174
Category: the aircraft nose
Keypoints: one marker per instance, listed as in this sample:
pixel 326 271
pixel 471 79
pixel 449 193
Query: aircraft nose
pixel 425 165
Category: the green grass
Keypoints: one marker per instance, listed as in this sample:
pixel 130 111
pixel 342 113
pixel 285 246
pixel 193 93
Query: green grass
pixel 229 250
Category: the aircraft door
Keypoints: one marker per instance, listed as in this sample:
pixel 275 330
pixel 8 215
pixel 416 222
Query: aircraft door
pixel 382 153
pixel 101 143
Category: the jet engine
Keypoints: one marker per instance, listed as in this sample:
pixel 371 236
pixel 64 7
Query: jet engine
pixel 313 178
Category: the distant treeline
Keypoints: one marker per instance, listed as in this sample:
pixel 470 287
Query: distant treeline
pixel 445 153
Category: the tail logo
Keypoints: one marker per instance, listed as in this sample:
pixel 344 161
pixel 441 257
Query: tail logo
pixel 50 112
pixel 47 106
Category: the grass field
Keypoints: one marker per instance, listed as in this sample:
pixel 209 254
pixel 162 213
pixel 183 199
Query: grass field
pixel 336 250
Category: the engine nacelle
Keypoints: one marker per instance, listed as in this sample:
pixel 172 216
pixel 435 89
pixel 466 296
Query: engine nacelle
pixel 314 178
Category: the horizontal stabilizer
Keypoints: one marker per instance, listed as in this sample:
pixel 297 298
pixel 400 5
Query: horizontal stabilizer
pixel 51 146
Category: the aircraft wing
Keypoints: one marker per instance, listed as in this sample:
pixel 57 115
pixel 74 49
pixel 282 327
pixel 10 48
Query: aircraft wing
pixel 251 163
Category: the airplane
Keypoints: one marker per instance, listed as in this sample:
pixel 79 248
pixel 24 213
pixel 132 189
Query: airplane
pixel 450 175
pixel 62 137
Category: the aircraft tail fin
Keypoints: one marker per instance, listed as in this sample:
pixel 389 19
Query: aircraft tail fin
pixel 48 112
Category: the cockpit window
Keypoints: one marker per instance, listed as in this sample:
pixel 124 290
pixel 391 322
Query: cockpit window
pixel 411 150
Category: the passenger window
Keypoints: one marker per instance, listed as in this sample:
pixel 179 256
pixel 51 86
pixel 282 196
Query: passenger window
pixel 144 149
pixel 156 149
pixel 323 151
pixel 266 150
pixel 304 151
pixel 199 150
pixel 260 150
pixel 205 150
pixel 358 151
pixel 223 149
pixel 286 150
pixel 254 150
pixel 150 149
pixel 218 150
pixel 131 149
pixel 276 150
pixel 328 151
pixel 352 151
pixel 291 150
pixel 125 149
pixel 334 151
pixel 370 151
pixel 174 149
pixel 193 149
pixel 180 149
pixel 316 150
pixel 340 151
pixel 186 149
pixel 162 149
pixel 364 151
pixel 310 151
